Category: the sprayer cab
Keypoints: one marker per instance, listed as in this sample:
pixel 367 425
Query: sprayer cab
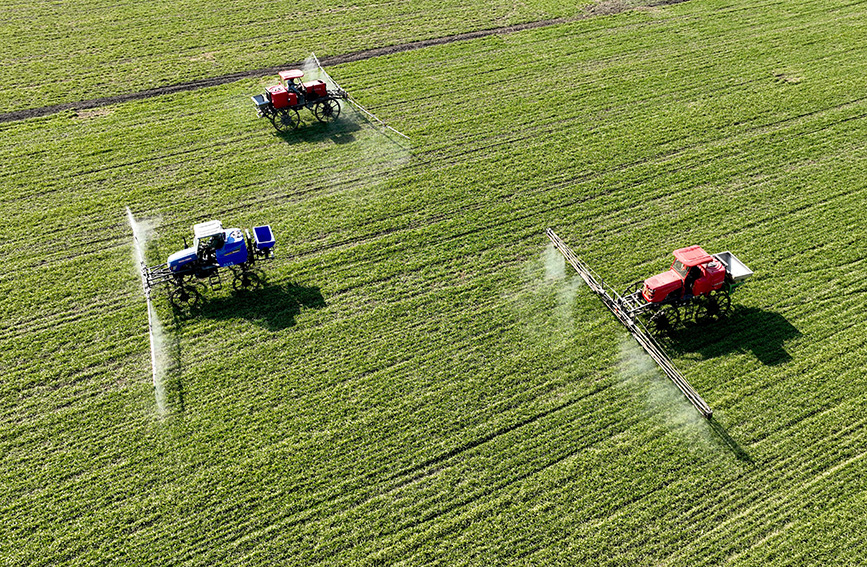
pixel 216 246
pixel 693 272
pixel 213 247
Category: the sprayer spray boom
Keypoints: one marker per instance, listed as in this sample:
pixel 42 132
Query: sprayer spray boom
pixel 621 309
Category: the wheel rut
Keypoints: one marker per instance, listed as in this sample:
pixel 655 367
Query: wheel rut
pixel 27 113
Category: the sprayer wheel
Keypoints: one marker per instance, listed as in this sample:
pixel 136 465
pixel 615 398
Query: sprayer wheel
pixel 286 119
pixel 246 279
pixel 708 310
pixel 690 312
pixel 665 319
pixel 724 301
pixel 186 296
pixel 326 110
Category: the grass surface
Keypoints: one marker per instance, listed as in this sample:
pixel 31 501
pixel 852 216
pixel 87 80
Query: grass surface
pixel 94 48
pixel 421 382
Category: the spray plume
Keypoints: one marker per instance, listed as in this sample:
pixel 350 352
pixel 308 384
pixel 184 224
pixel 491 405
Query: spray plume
pixel 315 67
pixel 642 379
pixel 140 234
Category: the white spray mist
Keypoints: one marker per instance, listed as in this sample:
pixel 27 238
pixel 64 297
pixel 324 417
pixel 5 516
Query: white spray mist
pixel 555 263
pixel 311 69
pixel 141 232
pixel 545 301
pixel 643 380
pixel 566 288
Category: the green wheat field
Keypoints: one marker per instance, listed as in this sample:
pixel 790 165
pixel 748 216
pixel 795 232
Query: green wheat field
pixel 421 381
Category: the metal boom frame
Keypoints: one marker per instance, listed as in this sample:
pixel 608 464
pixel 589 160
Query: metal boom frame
pixel 621 309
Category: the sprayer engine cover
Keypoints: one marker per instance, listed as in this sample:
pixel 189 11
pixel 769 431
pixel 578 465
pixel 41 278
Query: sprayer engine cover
pixel 279 96
pixel 182 260
pixel 658 288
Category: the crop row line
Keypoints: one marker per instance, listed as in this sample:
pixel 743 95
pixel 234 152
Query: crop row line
pixel 440 217
pixel 370 238
pixel 773 509
pixel 344 497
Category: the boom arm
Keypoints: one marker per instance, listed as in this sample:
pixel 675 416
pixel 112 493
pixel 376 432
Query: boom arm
pixel 614 302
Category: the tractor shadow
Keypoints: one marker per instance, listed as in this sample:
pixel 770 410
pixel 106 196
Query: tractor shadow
pixel 168 359
pixel 174 386
pixel 274 307
pixel 746 329
pixel 341 131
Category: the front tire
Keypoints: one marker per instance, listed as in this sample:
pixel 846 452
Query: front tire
pixel 185 297
pixel 286 119
pixel 245 280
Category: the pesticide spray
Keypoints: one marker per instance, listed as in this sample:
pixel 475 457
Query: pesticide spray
pixel 312 68
pixel 140 234
pixel 315 68
pixel 642 380
pixel 371 150
pixel 544 301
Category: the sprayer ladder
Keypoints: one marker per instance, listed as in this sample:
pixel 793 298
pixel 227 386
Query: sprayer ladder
pixel 214 280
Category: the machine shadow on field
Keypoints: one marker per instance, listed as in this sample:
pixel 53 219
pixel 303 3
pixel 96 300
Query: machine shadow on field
pixel 747 329
pixel 341 131
pixel 274 307
pixel 172 369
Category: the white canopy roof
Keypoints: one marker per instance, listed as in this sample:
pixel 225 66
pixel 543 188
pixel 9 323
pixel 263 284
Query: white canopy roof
pixel 210 228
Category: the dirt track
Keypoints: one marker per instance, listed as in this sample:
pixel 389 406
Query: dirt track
pixel 605 7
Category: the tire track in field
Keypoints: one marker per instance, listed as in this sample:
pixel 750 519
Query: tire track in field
pixel 592 11
pixel 785 473
pixel 375 478
pixel 663 156
pixel 765 510
pixel 378 487
pixel 473 150
pixel 730 494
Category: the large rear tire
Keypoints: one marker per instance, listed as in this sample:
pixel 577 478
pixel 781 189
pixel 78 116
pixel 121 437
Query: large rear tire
pixel 327 110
